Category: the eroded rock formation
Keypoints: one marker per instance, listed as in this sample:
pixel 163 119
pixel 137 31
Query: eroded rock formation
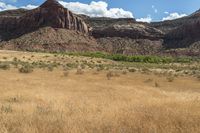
pixel 51 14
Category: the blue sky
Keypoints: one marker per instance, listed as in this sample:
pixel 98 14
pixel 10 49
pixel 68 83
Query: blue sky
pixel 153 9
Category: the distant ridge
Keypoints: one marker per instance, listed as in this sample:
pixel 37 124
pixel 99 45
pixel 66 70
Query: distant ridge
pixel 52 27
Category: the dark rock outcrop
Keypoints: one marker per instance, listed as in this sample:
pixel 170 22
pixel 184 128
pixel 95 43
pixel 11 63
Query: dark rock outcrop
pixel 183 36
pixel 50 27
pixel 51 13
pixel 52 40
pixel 134 31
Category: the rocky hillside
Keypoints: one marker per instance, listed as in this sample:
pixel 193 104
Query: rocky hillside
pixel 51 27
pixel 52 40
pixel 169 25
pixel 51 13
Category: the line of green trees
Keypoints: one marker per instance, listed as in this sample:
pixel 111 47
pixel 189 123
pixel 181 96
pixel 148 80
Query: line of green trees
pixel 136 58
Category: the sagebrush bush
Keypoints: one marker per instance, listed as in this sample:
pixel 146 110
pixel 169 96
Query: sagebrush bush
pixel 26 69
pixel 156 84
pixel 109 75
pixel 170 79
pixel 50 68
pixel 79 71
pixel 66 73
pixel 132 70
pixel 198 77
pixel 124 72
pixel 4 66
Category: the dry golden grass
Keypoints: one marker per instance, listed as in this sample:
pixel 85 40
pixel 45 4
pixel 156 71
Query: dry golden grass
pixel 48 102
pixel 60 100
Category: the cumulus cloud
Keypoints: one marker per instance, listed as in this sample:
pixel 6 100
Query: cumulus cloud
pixel 148 19
pixel 174 15
pixel 96 9
pixel 29 7
pixel 4 6
pixel 154 8
pixel 166 12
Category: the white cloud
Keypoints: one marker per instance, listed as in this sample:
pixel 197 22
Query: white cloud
pixel 29 7
pixel 96 9
pixel 174 15
pixel 154 8
pixel 148 19
pixel 166 12
pixel 4 6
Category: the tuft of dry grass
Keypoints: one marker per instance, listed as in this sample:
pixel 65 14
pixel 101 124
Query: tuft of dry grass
pixel 157 84
pixel 79 71
pixel 66 73
pixel 4 66
pixel 170 78
pixel 26 69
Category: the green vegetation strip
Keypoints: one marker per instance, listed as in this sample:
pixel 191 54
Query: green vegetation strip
pixel 137 58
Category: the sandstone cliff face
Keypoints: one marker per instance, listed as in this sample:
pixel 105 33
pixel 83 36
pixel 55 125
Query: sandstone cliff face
pixel 52 40
pixel 50 27
pixel 51 13
pixel 134 31
pixel 125 36
pixel 184 36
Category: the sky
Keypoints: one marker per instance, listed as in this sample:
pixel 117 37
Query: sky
pixel 141 10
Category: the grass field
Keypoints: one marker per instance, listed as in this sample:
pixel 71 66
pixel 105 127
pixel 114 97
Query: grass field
pixel 67 94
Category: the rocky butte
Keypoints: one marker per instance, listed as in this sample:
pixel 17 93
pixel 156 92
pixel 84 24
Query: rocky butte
pixel 51 27
pixel 50 13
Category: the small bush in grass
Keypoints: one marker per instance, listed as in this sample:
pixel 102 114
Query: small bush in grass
pixel 79 71
pixel 100 68
pixel 82 66
pixel 124 72
pixel 109 75
pixel 5 58
pixel 66 68
pixel 148 80
pixel 4 66
pixel 50 68
pixel 66 73
pixel 15 59
pixel 170 79
pixel 145 71
pixel 156 84
pixel 198 77
pixel 6 109
pixel 26 69
pixel 116 74
pixel 132 70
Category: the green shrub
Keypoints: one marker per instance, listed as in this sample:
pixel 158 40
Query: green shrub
pixel 26 69
pixel 109 75
pixel 136 58
pixel 50 68
pixel 170 79
pixel 132 70
pixel 124 72
pixel 79 71
pixel 6 109
pixel 66 73
pixel 4 66
pixel 198 77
